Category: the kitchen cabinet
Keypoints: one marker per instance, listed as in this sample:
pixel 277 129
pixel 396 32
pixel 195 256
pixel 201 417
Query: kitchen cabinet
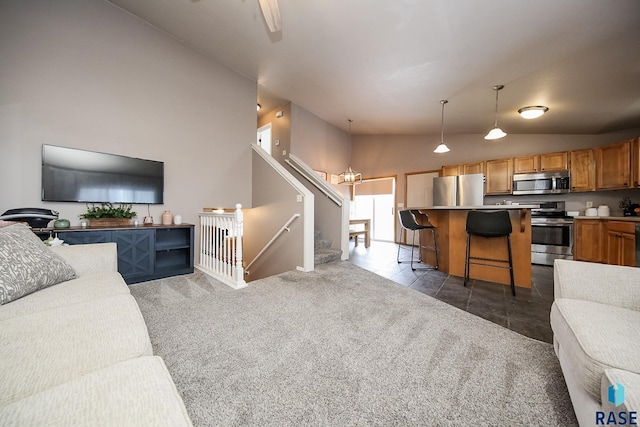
pixel 621 243
pixel 588 240
pixel 613 166
pixel 583 170
pixel 635 161
pixel 450 170
pixel 541 162
pixel 499 176
pixel 469 168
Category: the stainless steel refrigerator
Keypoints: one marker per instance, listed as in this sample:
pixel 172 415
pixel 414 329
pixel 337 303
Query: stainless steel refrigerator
pixel 463 190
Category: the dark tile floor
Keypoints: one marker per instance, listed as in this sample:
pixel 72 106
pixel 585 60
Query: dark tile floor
pixel 527 313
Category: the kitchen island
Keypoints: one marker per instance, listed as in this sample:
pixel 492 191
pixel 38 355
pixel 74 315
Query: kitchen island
pixel 450 223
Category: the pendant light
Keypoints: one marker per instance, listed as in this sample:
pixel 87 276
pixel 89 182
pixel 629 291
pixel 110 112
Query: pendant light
pixel 496 132
pixel 349 177
pixel 442 148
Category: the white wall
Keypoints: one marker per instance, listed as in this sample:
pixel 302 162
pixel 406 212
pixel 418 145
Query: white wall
pixel 85 74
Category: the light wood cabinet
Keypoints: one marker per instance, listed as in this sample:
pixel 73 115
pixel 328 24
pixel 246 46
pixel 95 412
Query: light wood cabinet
pixel 583 170
pixel 541 162
pixel 635 161
pixel 499 176
pixel 613 166
pixel 450 170
pixel 526 164
pixel 554 161
pixel 469 168
pixel 621 243
pixel 588 240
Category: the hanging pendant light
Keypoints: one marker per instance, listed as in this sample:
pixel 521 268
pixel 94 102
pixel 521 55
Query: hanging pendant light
pixel 496 132
pixel 442 148
pixel 349 177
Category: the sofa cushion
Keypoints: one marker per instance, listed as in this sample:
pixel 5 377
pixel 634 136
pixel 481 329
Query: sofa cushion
pixel 27 265
pixel 137 392
pixel 596 337
pixel 47 348
pixel 75 291
pixel 631 383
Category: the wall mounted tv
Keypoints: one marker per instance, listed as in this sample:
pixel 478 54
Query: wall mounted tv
pixel 72 175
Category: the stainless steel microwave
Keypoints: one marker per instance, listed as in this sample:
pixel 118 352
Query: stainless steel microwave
pixel 541 183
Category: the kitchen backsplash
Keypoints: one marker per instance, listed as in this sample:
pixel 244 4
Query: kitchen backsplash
pixel 576 201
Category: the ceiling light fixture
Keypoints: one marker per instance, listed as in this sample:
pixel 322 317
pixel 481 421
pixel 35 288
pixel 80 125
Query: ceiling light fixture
pixel 442 148
pixel 259 107
pixel 533 112
pixel 349 177
pixel 496 132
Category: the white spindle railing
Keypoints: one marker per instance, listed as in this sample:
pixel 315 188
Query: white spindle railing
pixel 221 246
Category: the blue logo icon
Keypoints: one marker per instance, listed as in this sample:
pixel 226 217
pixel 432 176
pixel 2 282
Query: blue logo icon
pixel 616 394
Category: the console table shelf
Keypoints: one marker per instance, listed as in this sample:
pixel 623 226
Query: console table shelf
pixel 144 252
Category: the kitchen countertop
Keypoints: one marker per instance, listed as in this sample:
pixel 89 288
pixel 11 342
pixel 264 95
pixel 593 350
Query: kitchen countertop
pixel 611 218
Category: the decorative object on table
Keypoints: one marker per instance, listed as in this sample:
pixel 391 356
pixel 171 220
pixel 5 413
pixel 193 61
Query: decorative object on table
pixel 84 223
pixel 177 220
pixel 107 215
pixel 61 223
pixel 136 222
pixel 148 220
pixel 629 208
pixel 167 218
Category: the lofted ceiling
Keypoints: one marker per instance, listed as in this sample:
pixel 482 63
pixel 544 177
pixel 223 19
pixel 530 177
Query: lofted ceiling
pixel 386 64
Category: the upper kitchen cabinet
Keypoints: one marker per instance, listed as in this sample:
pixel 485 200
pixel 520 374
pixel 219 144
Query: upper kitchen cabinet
pixel 469 168
pixel 613 166
pixel 635 161
pixel 499 175
pixel 451 170
pixel 541 163
pixel 583 170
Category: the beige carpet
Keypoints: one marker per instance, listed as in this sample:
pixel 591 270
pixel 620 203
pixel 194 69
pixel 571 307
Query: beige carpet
pixel 341 346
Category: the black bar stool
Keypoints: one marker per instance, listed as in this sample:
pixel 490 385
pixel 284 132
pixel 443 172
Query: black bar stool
pixel 489 225
pixel 409 223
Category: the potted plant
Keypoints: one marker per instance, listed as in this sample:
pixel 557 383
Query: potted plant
pixel 108 215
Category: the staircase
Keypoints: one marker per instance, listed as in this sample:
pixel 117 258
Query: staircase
pixel 323 252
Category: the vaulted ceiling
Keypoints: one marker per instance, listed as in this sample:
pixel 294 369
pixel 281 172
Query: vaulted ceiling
pixel 386 64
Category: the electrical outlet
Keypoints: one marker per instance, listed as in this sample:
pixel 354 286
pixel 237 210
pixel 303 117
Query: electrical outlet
pixel 589 204
pixel 284 152
pixel 299 198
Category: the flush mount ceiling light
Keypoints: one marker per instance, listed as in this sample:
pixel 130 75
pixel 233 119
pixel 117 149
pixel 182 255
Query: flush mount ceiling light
pixel 533 112
pixel 496 132
pixel 349 177
pixel 442 148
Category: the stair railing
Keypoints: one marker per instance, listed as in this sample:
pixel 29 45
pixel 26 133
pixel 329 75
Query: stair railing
pixel 311 176
pixel 221 246
pixel 282 229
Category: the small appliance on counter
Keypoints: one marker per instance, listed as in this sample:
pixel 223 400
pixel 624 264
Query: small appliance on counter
pixel 603 210
pixel 35 217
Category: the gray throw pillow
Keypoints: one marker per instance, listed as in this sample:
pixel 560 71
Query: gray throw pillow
pixel 27 265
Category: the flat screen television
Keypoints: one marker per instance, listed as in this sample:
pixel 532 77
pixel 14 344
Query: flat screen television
pixel 72 175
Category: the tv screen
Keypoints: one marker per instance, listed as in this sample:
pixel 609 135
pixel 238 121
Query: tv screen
pixel 72 175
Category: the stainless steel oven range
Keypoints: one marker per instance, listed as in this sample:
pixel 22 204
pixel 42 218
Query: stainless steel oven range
pixel 551 233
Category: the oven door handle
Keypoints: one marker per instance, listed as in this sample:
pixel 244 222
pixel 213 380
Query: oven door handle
pixel 566 224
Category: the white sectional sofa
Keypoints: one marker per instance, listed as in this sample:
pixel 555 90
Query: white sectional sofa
pixel 78 352
pixel 595 319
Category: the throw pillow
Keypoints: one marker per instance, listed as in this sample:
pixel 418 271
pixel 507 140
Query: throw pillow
pixel 27 265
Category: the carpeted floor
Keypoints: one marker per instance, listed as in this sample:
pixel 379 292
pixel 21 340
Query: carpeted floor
pixel 341 346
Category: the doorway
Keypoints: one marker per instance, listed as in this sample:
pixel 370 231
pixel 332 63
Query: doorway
pixel 264 138
pixel 375 200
